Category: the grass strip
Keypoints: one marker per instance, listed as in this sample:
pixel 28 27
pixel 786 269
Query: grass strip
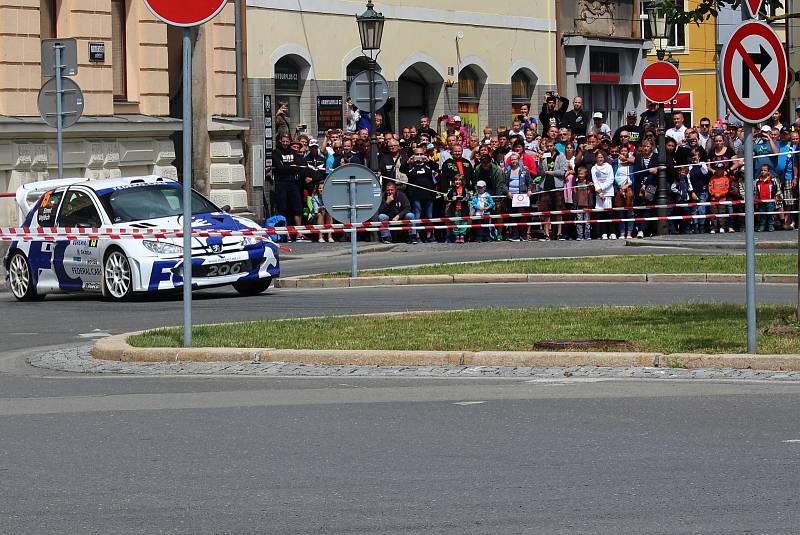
pixel 778 264
pixel 702 328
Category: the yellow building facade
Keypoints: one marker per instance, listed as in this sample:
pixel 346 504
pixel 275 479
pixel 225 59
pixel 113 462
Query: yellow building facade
pixel 695 48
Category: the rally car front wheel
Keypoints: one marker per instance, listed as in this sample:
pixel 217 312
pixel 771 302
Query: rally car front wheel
pixel 20 279
pixel 252 287
pixel 117 276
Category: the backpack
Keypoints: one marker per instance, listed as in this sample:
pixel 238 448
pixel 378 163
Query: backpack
pixel 277 221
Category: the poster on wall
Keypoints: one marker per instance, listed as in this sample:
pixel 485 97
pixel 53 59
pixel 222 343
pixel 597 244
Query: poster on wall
pixel 468 111
pixel 330 114
pixel 268 141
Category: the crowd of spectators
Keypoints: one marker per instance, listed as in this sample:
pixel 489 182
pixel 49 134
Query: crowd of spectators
pixel 565 159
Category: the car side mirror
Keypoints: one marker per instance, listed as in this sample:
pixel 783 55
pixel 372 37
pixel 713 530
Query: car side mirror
pixel 226 208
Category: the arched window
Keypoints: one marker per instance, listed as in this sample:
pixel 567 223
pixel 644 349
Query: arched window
pixel 355 67
pixel 289 87
pixel 468 84
pixel 522 86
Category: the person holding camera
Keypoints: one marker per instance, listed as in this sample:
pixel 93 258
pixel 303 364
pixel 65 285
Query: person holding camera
pixel 553 110
pixel 421 173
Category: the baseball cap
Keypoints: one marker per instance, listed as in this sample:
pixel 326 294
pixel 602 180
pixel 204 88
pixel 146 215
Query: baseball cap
pixel 798 106
pixel 550 98
pixel 597 115
pixel 718 165
pixel 486 159
pixel 631 113
pixel 451 120
pixel 313 143
pixel 481 184
pixel 766 128
pixel 784 130
pixel 430 146
pixel 456 119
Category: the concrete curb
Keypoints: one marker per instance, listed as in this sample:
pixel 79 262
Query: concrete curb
pixel 477 278
pixel 116 348
pixel 709 245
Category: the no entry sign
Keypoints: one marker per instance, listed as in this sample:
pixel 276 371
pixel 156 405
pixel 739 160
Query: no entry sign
pixel 185 13
pixel 753 72
pixel 661 81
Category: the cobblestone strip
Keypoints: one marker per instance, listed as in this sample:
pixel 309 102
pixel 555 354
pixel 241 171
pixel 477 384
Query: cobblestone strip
pixel 79 360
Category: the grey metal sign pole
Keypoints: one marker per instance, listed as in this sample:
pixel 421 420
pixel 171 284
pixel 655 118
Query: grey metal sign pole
pixel 749 223
pixel 187 187
pixel 59 109
pixel 354 235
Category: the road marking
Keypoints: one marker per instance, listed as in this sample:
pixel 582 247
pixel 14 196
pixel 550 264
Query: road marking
pixel 792 441
pixel 568 380
pixel 465 403
pixel 97 333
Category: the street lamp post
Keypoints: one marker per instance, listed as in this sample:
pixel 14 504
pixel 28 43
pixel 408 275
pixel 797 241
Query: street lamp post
pixel 660 31
pixel 370 29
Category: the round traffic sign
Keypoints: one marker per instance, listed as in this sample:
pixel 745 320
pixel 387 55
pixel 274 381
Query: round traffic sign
pixel 185 12
pixel 71 102
pixel 352 194
pixel 661 81
pixel 359 90
pixel 753 72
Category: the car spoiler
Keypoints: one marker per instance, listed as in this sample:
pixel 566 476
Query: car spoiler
pixel 28 194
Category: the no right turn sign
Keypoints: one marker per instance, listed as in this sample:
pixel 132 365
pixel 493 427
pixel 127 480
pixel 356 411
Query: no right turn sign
pixel 753 72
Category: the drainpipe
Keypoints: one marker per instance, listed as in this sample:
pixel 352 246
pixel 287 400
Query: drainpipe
pixel 239 61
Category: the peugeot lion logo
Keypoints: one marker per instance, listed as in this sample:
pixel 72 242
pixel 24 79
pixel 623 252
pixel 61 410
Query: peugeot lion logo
pixel 215 248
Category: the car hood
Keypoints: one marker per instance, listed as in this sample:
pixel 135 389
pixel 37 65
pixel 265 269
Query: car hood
pixel 210 221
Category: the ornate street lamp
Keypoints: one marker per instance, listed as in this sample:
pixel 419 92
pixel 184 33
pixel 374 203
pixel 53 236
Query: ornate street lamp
pixel 370 30
pixel 661 28
pixel 660 25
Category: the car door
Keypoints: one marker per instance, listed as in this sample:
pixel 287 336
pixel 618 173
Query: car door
pixel 77 263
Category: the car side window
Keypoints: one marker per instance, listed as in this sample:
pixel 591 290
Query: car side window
pixel 78 210
pixel 48 208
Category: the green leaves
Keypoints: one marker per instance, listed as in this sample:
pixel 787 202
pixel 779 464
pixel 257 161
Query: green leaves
pixel 705 10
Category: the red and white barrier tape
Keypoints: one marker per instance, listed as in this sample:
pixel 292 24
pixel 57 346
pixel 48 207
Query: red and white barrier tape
pixel 66 234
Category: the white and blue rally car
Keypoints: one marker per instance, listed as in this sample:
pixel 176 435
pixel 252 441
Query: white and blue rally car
pixel 118 268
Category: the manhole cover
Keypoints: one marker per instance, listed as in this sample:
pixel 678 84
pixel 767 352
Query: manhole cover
pixel 584 345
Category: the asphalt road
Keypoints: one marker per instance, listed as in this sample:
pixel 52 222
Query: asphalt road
pixel 348 455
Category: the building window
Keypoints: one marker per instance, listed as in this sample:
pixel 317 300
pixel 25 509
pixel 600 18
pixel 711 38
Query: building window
pixel 676 40
pixel 468 84
pixel 48 19
pixel 604 67
pixel 520 88
pixel 118 52
pixel 288 88
pixel 356 67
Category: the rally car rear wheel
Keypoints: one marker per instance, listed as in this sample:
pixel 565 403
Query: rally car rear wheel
pixel 252 287
pixel 117 276
pixel 20 280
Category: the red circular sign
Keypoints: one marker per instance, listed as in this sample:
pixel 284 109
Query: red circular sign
pixel 185 12
pixel 661 81
pixel 753 72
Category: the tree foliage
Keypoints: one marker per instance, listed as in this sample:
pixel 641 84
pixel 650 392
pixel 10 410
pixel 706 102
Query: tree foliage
pixel 704 10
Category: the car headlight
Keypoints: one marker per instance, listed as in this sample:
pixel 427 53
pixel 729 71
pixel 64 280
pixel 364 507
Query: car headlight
pixel 160 247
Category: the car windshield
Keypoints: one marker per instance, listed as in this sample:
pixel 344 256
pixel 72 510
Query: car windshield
pixel 151 201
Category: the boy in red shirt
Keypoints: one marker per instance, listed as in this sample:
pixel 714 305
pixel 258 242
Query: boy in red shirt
pixel 718 186
pixel 767 190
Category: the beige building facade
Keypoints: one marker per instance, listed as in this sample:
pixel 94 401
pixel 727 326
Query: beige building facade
pixel 470 58
pixel 131 83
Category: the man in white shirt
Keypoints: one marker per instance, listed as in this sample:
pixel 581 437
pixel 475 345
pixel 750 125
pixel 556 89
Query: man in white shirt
pixel 598 126
pixel 678 130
